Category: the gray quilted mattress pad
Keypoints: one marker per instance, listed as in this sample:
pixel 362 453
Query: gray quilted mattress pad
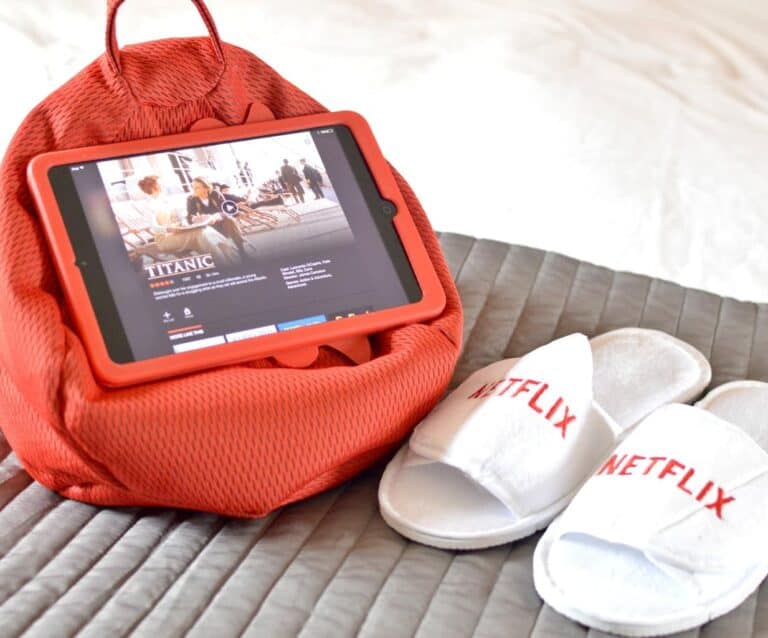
pixel 329 566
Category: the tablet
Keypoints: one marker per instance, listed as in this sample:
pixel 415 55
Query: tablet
pixel 216 247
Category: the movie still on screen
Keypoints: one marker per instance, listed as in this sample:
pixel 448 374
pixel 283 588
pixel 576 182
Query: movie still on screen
pixel 251 199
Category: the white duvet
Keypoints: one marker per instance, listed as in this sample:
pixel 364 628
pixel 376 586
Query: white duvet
pixel 632 134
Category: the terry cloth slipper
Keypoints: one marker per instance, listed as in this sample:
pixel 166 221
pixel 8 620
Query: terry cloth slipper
pixel 504 453
pixel 670 531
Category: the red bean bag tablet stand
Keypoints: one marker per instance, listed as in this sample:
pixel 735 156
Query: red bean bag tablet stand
pixel 241 440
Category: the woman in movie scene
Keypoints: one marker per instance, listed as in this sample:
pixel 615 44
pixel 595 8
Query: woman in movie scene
pixel 205 204
pixel 171 231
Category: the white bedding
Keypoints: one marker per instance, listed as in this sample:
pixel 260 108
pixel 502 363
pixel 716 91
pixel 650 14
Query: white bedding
pixel 632 134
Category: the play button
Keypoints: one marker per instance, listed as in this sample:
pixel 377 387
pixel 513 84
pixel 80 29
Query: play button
pixel 230 208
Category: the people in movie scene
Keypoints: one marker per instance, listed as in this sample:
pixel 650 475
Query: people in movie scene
pixel 314 178
pixel 292 179
pixel 171 231
pixel 205 205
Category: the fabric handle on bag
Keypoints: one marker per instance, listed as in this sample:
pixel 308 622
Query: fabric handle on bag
pixel 113 49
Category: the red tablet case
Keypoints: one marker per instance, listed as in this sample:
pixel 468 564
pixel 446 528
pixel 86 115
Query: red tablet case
pixel 286 345
pixel 239 440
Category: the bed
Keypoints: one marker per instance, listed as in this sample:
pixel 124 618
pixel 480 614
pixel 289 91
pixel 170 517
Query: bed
pixel 330 566
pixel 627 134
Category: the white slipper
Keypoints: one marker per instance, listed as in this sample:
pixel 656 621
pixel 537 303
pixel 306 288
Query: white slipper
pixel 670 532
pixel 504 453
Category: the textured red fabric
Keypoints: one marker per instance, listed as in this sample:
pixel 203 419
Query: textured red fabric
pixel 240 440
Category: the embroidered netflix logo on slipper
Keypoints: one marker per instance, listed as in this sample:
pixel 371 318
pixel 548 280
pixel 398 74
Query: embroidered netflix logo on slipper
pixel 538 395
pixel 677 474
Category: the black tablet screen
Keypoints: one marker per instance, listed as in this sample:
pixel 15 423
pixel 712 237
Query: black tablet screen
pixel 194 247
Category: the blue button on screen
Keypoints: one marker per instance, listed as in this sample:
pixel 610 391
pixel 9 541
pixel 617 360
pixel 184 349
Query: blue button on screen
pixel 307 321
